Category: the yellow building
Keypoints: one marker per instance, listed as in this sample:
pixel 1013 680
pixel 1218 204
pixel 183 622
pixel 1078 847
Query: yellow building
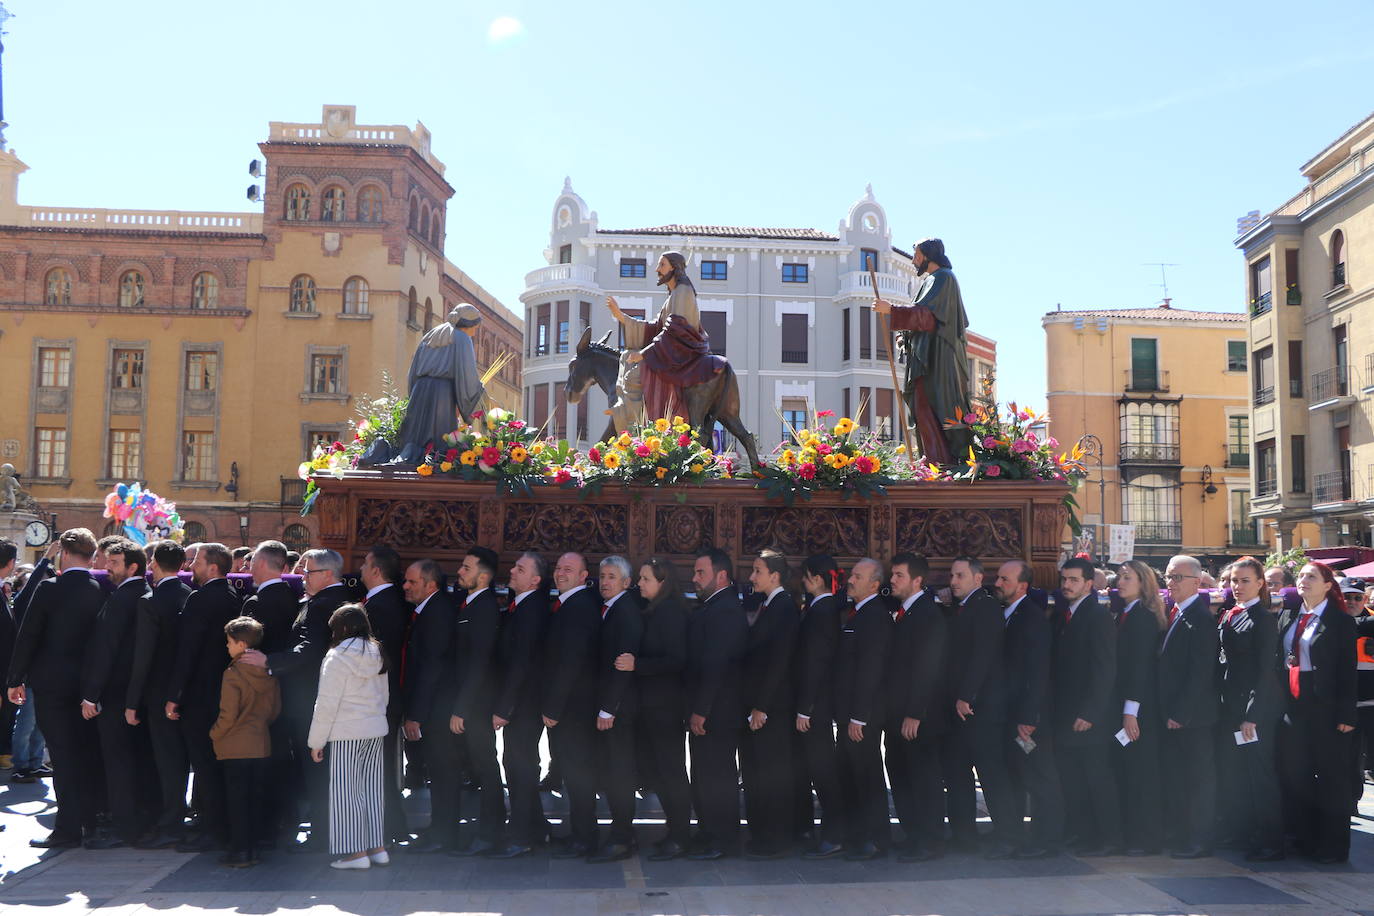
pixel 1164 391
pixel 1310 284
pixel 205 354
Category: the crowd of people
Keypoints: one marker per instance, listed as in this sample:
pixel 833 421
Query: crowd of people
pixel 1135 720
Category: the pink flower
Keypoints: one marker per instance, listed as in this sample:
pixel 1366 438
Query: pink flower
pixel 477 413
pixel 989 442
pixel 338 446
pixel 994 470
pixel 1052 442
pixel 824 448
pixel 594 454
pixel 1022 446
pixel 516 424
pixel 491 456
pixel 684 440
pixel 824 413
pixel 562 475
pixel 643 450
pixel 807 471
pixel 1022 416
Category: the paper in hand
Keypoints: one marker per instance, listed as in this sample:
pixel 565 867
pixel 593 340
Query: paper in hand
pixel 1241 739
pixel 1122 737
pixel 1026 744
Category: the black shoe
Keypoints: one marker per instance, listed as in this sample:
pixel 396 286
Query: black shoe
pixel 424 844
pixel 475 848
pixel 864 853
pixel 667 850
pixel 755 852
pixel 1033 852
pixel 56 840
pixel 964 844
pixel 706 854
pixel 199 843
pixel 824 850
pixel 919 853
pixel 23 777
pixel 509 851
pixel 1098 852
pixel 806 838
pixel 238 859
pixel 1265 855
pixel 42 770
pixel 1139 852
pixel 611 852
pixel 999 851
pixel 571 850
pixel 1191 852
pixel 1330 859
pixel 103 841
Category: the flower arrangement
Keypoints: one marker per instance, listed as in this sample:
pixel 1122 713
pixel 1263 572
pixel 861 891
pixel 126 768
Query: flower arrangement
pixel 1292 560
pixel 662 453
pixel 839 457
pixel 144 515
pixel 1007 446
pixel 507 451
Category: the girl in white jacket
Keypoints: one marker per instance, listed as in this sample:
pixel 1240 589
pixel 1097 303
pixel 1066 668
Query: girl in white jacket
pixel 350 715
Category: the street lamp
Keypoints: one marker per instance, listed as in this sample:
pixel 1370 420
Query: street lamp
pixel 1092 448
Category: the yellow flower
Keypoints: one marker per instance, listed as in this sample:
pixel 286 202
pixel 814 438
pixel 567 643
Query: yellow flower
pixel 809 454
pixel 623 441
pixel 446 466
pixel 788 457
pixel 469 457
pixel 537 448
pixel 611 460
pixel 901 449
pixel 877 463
pixel 841 460
pixel 660 473
pixel 678 421
pixel 696 468
pixel 681 428
pixel 661 425
pixel 844 427
pixel 518 454
pixel 424 470
pixel 655 443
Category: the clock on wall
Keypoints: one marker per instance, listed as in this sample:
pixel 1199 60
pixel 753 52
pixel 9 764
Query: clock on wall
pixel 37 533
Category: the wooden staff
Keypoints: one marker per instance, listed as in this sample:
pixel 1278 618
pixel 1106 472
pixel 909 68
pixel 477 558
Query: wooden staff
pixel 892 367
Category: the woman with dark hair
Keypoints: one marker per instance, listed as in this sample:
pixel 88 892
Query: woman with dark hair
pixel 1318 670
pixel 813 667
pixel 1247 738
pixel 661 728
pixel 350 715
pixel 1138 630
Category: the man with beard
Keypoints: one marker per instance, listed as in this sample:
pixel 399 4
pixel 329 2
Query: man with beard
pixel 444 384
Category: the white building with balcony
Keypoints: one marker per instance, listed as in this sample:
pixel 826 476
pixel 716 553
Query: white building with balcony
pixel 790 308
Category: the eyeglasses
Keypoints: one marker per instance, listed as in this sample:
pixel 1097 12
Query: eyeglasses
pixel 1178 577
pixel 311 572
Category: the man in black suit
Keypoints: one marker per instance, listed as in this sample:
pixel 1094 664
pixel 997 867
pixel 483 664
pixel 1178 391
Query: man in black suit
pixel 193 689
pixel 48 655
pixel 479 621
pixel 389 614
pixel 865 640
pixel 105 685
pixel 9 558
pixel 622 630
pixel 429 680
pixel 916 714
pixel 519 653
pixel 978 738
pixel 1190 704
pixel 818 641
pixel 155 649
pixel 571 653
pixel 717 634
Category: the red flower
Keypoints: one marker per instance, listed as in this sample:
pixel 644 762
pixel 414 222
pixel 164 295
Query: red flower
pixel 338 446
pixel 451 455
pixel 824 448
pixel 864 464
pixel 994 470
pixel 642 450
pixel 477 413
pixel 562 475
pixel 807 471
pixel 825 413
pixel 491 456
pixel 594 454
pixel 684 440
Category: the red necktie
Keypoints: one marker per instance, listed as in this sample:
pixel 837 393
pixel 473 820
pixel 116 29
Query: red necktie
pixel 1234 612
pixel 1173 614
pixel 557 603
pixel 510 608
pixel 605 609
pixel 901 612
pixel 364 601
pixel 1121 618
pixel 1296 666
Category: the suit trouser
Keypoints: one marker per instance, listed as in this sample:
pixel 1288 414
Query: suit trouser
pixel 520 756
pixel 1313 761
pixel 281 783
pixel 127 777
pixel 818 764
pixel 661 744
pixel 617 776
pixel 244 783
pixel 1138 781
pixel 477 744
pixel 200 752
pixel 396 826
pixel 1251 810
pixel 765 758
pixel 314 778
pixel 1190 799
pixel 1091 798
pixel 75 778
pixel 1035 779
pixel 574 747
pixel 865 792
pixel 172 765
pixel 913 771
pixel 443 760
pixel 1361 741
pixel 715 785
pixel 980 743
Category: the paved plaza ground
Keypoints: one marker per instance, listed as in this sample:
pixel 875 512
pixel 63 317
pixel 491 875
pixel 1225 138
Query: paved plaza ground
pixel 125 881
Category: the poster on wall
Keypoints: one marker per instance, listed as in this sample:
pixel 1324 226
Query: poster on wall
pixel 1121 543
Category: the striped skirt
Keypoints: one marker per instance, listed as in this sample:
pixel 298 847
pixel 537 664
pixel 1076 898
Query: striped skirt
pixel 355 795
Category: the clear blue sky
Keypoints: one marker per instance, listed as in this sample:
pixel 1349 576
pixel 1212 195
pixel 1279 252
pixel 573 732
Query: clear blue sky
pixel 1057 148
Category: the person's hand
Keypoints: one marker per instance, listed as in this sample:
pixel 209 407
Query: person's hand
pixel 910 728
pixel 52 551
pixel 757 718
pixel 499 723
pixel 803 724
pixel 1132 726
pixel 698 724
pixel 455 724
pixel 17 695
pixel 89 710
pixel 945 596
pixel 254 657
pixel 635 357
pixel 1081 725
pixel 171 711
pixel 605 723
pixel 963 709
pixel 1174 725
pixel 131 716
pixel 411 729
pixel 625 662
pixel 550 723
pixel 1345 729
pixel 1025 731
pixel 882 307
pixel 317 754
pixel 614 307
pixel 1247 731
pixel 856 732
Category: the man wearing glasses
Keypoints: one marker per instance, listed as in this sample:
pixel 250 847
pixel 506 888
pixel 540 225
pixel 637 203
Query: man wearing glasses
pixel 1189 702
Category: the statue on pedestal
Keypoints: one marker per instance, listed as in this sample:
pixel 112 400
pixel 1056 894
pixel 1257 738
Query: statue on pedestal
pixel 9 488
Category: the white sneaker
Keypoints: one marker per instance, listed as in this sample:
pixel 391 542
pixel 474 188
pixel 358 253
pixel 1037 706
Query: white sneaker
pixel 380 858
pixel 346 864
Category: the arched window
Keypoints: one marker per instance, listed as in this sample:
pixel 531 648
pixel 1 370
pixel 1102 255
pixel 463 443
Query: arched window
pixel 205 291
pixel 297 203
pixel 435 231
pixel 355 296
pixel 303 294
pixel 131 290
pixel 59 287
pixel 423 227
pixel 429 313
pixel 370 204
pixel 413 309
pixel 414 218
pixel 1337 259
pixel 296 537
pixel 332 205
pixel 194 533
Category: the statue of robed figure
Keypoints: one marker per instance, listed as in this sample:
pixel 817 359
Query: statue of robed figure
pixel 932 333
pixel 444 385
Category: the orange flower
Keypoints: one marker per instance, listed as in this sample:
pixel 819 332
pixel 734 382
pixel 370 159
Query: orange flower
pixel 424 470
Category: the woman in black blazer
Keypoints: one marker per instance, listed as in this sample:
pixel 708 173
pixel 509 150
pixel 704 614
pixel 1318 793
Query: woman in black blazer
pixel 1316 661
pixel 660 729
pixel 1138 630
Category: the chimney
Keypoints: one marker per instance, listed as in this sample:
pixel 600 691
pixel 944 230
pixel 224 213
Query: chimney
pixel 1165 303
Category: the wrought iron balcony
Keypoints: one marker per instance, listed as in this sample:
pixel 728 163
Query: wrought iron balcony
pixel 1264 395
pixel 1331 487
pixel 1245 535
pixel 1159 532
pixel 1261 304
pixel 292 492
pixel 1338 276
pixel 794 356
pixel 1266 486
pixel 1330 384
pixel 1150 452
pixel 1156 382
pixel 1237 459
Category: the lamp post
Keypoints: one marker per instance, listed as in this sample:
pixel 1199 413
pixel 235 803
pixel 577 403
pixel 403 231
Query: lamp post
pixel 1092 448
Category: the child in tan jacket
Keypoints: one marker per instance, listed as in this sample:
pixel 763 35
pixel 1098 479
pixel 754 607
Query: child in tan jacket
pixel 249 700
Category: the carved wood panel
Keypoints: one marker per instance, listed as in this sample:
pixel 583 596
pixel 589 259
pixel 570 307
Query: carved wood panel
pixel 586 528
pixel 411 523
pixel 683 529
pixel 801 531
pixel 977 532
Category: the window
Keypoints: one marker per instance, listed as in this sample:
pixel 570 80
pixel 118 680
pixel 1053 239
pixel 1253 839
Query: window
pixel 541 406
pixel 370 204
pixel 795 273
pixel 202 370
pixel 413 309
pixel 1337 259
pixel 58 287
pixel 413 221
pixel 713 323
pixel 326 373
pixel 1243 529
pixel 1150 431
pixel 562 327
pixel 128 370
pixel 422 225
pixel 1297 453
pixel 846 404
pixel 54 367
pixel 868 259
pixel 865 332
pixel 131 290
pixel 296 537
pixel 303 294
pixel 632 267
pixel 436 231
pixel 1238 441
pixel 564 254
pixel 318 438
pixel 1151 503
pixel 1266 469
pixel 197 456
pixel 332 205
pixel 844 335
pixel 1340 345
pixel 1295 368
pixel 52 452
pixel 126 447
pixel 794 348
pixel 883 423
pixel 1144 364
pixel 297 204
pixel 355 292
pixel 1264 376
pixel 541 346
pixel 713 270
pixel 1261 286
pixel 1235 356
pixel 1290 272
pixel 793 417
pixel 194 533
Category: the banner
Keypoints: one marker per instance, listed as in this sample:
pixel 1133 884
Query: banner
pixel 1121 543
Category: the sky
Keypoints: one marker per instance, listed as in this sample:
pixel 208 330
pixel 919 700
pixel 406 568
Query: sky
pixel 1059 149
